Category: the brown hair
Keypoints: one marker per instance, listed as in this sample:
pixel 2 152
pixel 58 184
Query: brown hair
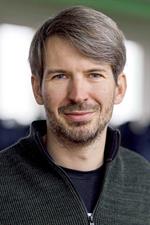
pixel 94 34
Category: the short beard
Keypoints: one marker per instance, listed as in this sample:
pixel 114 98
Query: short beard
pixel 67 136
pixel 83 136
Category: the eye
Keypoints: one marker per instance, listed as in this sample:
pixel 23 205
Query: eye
pixel 59 76
pixel 95 75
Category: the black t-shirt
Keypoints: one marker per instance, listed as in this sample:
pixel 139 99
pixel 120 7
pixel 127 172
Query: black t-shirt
pixel 88 184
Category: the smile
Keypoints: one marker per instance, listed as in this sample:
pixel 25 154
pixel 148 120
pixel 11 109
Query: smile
pixel 79 116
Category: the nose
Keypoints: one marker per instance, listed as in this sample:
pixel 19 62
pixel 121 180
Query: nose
pixel 78 90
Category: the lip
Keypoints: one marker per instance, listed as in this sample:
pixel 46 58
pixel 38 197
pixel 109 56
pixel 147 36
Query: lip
pixel 79 116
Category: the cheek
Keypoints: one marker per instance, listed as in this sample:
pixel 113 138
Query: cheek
pixel 53 97
pixel 103 94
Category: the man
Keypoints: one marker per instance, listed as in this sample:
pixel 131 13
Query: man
pixel 70 170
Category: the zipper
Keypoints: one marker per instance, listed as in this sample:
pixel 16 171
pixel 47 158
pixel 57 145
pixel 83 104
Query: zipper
pixel 82 204
pixel 64 175
pixel 90 219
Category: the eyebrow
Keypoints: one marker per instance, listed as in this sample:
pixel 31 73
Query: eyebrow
pixel 96 70
pixel 53 71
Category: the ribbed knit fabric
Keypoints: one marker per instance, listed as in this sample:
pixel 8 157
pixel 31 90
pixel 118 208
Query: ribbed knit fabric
pixel 34 191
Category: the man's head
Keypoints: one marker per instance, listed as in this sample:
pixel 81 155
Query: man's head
pixel 94 34
pixel 77 60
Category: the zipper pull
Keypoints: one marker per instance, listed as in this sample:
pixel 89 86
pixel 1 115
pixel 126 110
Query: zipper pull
pixel 90 217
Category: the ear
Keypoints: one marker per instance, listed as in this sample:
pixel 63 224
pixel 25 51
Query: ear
pixel 120 88
pixel 36 87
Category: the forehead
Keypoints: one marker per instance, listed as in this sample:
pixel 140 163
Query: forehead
pixel 59 46
pixel 60 52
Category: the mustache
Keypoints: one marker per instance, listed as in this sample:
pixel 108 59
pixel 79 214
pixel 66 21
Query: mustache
pixel 78 107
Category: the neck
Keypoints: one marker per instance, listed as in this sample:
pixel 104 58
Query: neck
pixel 82 158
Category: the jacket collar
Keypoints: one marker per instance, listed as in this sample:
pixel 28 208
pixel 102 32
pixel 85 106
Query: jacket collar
pixel 38 129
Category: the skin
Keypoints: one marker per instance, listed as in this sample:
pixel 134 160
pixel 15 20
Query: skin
pixel 78 94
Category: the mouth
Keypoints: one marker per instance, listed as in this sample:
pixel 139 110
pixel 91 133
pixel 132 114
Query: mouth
pixel 79 116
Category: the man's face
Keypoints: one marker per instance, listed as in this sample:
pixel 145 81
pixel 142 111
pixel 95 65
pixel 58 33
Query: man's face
pixel 78 93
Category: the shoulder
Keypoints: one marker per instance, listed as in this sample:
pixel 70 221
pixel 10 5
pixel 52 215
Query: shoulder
pixel 6 153
pixel 133 160
pixel 25 155
pixel 14 155
pixel 133 169
pixel 10 156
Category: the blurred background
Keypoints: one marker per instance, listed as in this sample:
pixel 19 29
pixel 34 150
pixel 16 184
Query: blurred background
pixel 18 21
